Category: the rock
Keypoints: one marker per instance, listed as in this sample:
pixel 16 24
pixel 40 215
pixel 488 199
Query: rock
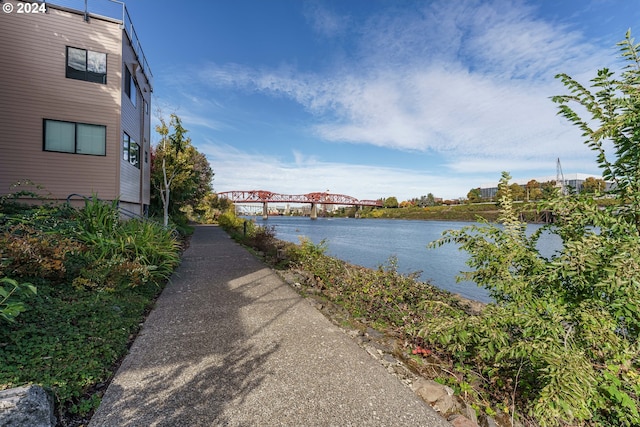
pixel 487 421
pixel 461 421
pixel 373 334
pixel 26 406
pixel 470 413
pixel 440 397
pixel 429 391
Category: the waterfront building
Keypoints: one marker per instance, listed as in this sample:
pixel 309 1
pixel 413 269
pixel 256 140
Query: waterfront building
pixel 574 181
pixel 75 103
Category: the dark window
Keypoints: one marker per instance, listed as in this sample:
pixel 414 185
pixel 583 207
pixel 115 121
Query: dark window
pixel 76 138
pixel 86 65
pixel 130 150
pixel 130 87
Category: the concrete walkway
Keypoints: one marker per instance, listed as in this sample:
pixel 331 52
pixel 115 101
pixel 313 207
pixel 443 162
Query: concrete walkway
pixel 230 344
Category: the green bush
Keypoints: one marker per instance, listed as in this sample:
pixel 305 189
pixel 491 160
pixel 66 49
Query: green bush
pixel 26 251
pixel 12 296
pixel 71 337
pixel 230 222
pixel 565 330
pixel 122 253
pixel 382 296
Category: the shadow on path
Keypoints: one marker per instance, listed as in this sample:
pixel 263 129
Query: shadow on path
pixel 229 343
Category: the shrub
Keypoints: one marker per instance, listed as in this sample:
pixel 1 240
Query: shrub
pixel 230 222
pixel 28 252
pixel 12 295
pixel 565 329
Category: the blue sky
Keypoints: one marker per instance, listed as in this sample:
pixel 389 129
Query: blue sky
pixel 377 98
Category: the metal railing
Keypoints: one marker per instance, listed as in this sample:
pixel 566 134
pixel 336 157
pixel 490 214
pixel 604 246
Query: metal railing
pixel 127 24
pixel 114 10
pixel 121 210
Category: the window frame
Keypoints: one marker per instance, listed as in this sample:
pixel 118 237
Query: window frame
pixel 129 146
pixel 130 86
pixel 75 138
pixel 86 74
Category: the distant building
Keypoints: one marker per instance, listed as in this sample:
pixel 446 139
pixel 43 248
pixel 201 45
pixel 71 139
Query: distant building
pixel 74 104
pixel 574 181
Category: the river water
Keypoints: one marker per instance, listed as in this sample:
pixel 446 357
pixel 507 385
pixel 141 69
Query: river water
pixel 371 242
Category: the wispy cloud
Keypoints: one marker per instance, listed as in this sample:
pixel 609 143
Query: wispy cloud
pixel 325 22
pixel 468 80
pixel 239 170
pixel 419 90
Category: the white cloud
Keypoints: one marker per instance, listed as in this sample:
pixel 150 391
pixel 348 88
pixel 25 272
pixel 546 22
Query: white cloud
pixel 496 105
pixel 469 80
pixel 324 21
pixel 238 170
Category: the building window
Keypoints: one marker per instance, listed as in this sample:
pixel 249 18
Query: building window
pixel 130 150
pixel 76 138
pixel 130 87
pixel 86 65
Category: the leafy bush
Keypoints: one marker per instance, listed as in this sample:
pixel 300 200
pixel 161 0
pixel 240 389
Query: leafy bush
pixel 383 296
pixel 230 222
pixel 123 253
pixel 12 294
pixel 565 329
pixel 29 252
pixel 72 336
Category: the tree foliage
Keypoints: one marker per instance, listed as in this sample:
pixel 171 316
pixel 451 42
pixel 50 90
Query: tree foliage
pixel 180 175
pixel 474 195
pixel 534 190
pixel 391 202
pixel 565 328
pixel 593 185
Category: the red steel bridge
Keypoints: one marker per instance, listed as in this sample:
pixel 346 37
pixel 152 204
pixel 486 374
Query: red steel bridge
pixel 265 197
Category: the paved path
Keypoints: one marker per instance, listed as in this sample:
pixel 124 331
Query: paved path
pixel 230 344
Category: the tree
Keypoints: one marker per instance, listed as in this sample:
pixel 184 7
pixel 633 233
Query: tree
pixel 391 202
pixel 474 195
pixel 566 329
pixel 533 190
pixel 593 185
pixel 180 175
pixel 517 192
pixel 549 190
pixel 424 201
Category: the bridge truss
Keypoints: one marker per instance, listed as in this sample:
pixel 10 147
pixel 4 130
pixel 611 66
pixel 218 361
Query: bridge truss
pixel 261 196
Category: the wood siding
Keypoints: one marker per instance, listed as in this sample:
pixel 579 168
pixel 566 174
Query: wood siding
pixel 34 87
pixel 134 124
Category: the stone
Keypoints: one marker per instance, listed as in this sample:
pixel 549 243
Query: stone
pixel 440 397
pixel 487 421
pixel 26 406
pixel 470 413
pixel 462 421
pixel 429 391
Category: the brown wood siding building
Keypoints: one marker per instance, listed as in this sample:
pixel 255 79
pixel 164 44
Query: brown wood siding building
pixel 38 96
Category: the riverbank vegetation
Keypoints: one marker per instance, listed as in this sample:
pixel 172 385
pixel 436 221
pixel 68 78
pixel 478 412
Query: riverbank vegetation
pixel 74 286
pixel 559 346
